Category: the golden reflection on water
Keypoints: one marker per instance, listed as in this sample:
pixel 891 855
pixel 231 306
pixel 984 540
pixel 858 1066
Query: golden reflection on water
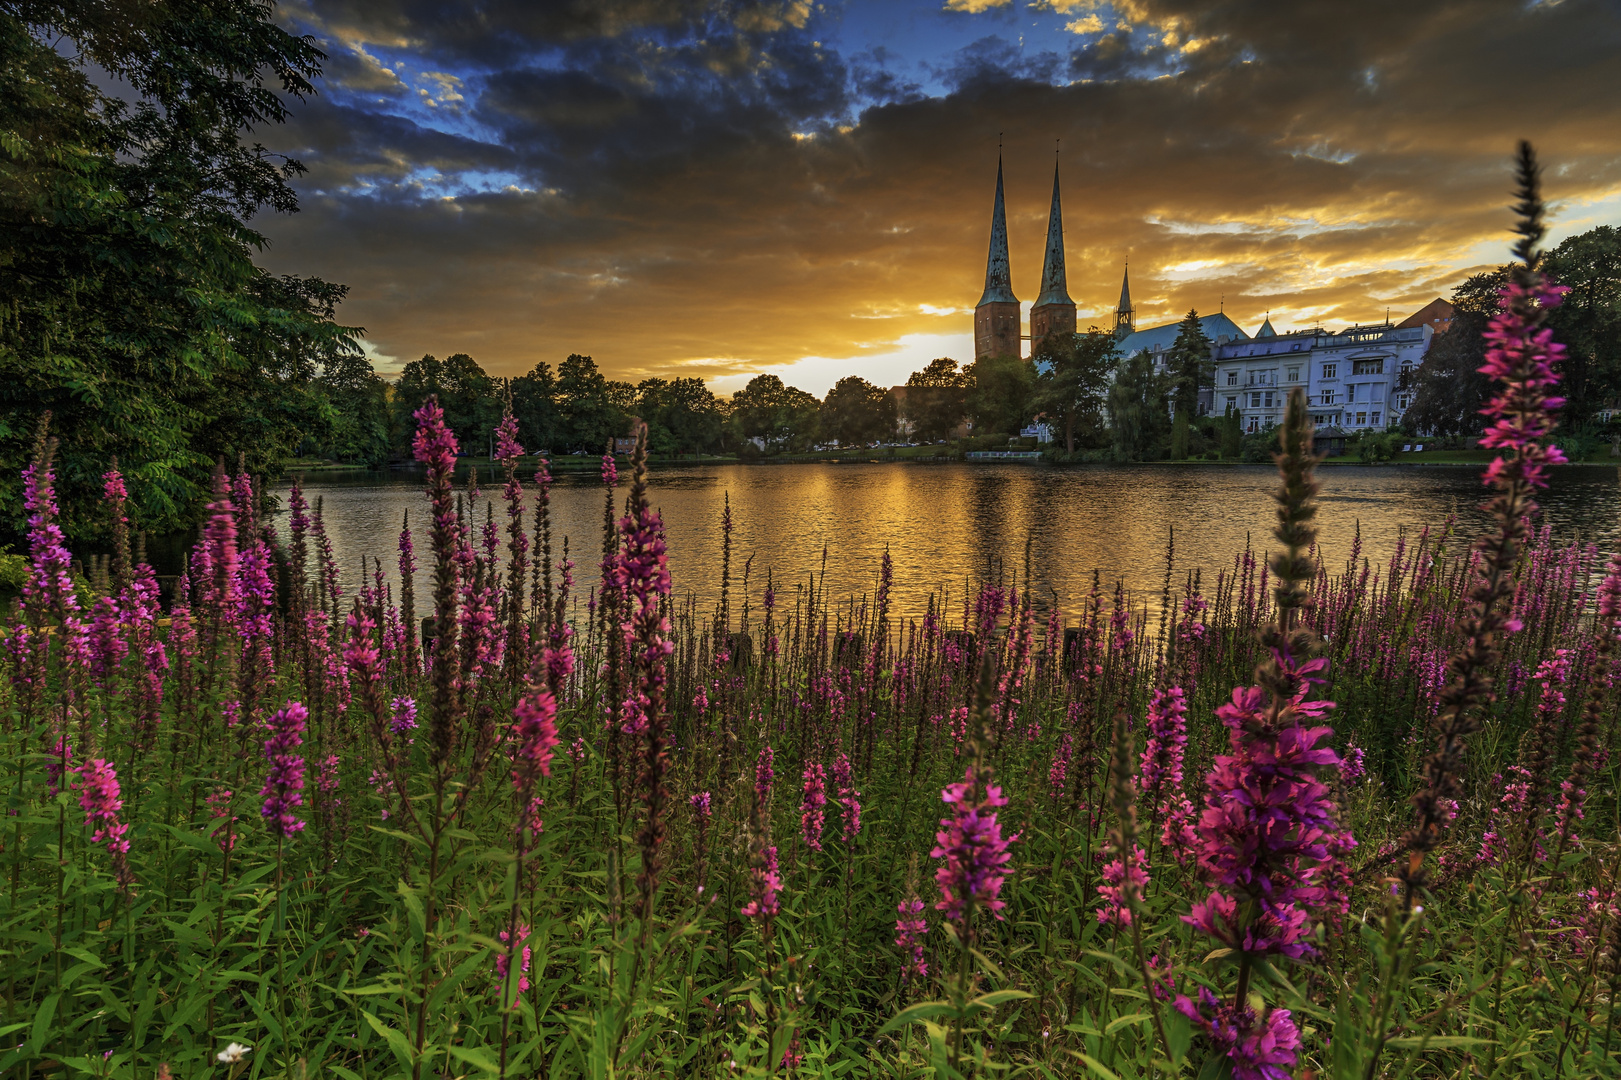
pixel 945 524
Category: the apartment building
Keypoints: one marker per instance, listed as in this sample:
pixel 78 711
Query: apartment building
pixel 1351 378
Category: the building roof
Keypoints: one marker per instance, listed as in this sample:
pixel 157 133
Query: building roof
pixel 1215 326
pixel 998 279
pixel 1125 293
pixel 1437 313
pixel 1054 288
pixel 1266 329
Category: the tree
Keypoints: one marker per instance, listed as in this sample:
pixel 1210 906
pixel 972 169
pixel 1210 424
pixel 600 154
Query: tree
pixel 591 415
pixel 135 313
pixel 534 405
pixel 936 399
pixel 1138 417
pixel 1447 387
pixel 1231 431
pixel 855 412
pixel 466 393
pixel 999 394
pixel 1072 388
pixel 682 416
pixel 1190 368
pixel 1588 323
pixel 779 416
pixel 359 428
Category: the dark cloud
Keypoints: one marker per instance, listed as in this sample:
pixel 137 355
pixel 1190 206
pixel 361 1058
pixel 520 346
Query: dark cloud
pixel 712 185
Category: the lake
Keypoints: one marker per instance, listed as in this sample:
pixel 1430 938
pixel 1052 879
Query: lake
pixel 943 523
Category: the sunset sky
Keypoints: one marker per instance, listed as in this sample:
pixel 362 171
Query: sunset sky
pixel 723 189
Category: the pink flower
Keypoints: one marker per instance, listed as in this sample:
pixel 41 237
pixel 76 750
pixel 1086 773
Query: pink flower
pixel 813 807
pixel 765 883
pixel 910 928
pixel 1259 1050
pixel 285 783
pixel 973 854
pixel 101 801
pixel 503 959
pixel 849 798
pixel 1118 874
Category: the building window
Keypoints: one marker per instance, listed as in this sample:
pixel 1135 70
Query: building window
pixel 1268 401
pixel 1404 401
pixel 1232 402
pixel 1361 418
pixel 1232 378
pixel 1328 371
pixel 1255 401
pixel 1367 367
pixel 1375 419
pixel 1328 397
pixel 1294 374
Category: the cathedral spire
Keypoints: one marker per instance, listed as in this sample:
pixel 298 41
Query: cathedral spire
pixel 1122 314
pixel 1054 311
pixel 996 316
pixel 1054 287
pixel 998 278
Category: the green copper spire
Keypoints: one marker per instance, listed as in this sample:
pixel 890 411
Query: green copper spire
pixel 1054 288
pixel 998 279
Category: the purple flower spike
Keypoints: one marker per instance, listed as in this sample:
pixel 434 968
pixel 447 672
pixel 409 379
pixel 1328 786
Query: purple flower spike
pixel 974 853
pixel 285 783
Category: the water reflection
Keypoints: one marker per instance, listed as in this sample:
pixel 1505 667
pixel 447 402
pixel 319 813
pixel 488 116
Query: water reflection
pixel 945 524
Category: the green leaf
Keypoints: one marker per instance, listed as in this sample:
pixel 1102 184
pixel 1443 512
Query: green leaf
pixel 1436 1042
pixel 42 1021
pixel 396 1039
pixel 923 1010
pixel 1097 1066
pixel 1125 1021
pixel 998 997
pixel 475 1056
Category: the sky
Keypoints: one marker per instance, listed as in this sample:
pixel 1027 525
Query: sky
pixel 723 188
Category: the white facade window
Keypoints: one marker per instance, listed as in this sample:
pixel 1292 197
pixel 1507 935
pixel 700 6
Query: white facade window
pixel 1294 374
pixel 1232 377
pixel 1375 419
pixel 1328 397
pixel 1328 371
pixel 1367 367
pixel 1232 402
pixel 1255 401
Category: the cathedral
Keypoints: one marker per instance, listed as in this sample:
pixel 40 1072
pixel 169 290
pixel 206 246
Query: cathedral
pixel 996 316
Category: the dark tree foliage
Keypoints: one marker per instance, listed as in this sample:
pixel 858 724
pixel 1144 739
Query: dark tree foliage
pixel 682 416
pixel 855 412
pixel 469 396
pixel 1138 416
pixel 1000 393
pixel 541 423
pixel 1448 390
pixel 1588 323
pixel 134 312
pixel 1072 387
pixel 936 400
pixel 1189 364
pixel 782 417
pixel 594 410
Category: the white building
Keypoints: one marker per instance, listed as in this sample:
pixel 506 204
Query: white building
pixel 1350 378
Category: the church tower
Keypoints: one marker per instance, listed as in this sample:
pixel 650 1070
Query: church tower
pixel 1054 312
pixel 1122 314
pixel 996 316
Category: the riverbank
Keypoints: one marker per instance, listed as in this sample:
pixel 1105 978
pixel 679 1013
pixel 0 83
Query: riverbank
pixel 914 455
